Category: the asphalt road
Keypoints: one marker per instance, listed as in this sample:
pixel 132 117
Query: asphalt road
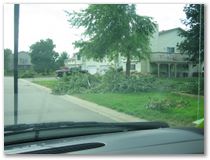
pixel 36 105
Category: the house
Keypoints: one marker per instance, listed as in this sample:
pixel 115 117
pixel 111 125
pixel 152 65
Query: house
pixel 24 61
pixel 165 59
pixel 90 65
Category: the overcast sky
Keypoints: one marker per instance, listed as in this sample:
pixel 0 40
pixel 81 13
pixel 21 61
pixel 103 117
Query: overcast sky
pixel 42 21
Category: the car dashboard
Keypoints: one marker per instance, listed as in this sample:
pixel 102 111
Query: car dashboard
pixel 153 141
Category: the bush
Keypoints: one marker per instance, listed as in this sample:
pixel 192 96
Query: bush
pixel 76 83
pixel 166 104
pixel 186 85
pixel 111 81
pixel 115 81
pixel 27 74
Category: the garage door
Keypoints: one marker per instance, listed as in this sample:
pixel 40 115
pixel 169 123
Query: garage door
pixel 104 68
pixel 92 69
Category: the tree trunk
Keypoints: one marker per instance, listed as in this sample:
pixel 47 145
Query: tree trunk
pixel 128 65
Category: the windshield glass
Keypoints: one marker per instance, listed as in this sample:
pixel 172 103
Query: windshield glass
pixel 104 63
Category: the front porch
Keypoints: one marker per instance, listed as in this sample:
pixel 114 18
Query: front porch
pixel 164 69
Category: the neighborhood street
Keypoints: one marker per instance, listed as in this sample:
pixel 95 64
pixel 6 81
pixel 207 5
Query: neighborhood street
pixel 37 105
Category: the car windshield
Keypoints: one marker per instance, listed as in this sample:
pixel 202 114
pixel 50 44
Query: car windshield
pixel 103 63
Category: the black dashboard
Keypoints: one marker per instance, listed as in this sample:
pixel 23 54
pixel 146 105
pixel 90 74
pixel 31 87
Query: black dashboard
pixel 154 141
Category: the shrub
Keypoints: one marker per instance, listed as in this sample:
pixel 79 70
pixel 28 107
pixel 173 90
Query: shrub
pixel 166 104
pixel 186 85
pixel 27 74
pixel 111 81
pixel 115 81
pixel 76 83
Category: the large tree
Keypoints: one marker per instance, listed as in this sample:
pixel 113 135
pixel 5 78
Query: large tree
pixel 111 29
pixel 43 56
pixel 61 59
pixel 7 59
pixel 193 43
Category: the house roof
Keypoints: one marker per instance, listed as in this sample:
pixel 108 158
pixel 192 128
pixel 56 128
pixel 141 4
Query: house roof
pixel 170 30
pixel 23 52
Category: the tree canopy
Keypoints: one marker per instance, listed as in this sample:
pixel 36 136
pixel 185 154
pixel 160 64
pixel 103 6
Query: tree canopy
pixel 43 56
pixel 194 36
pixel 111 29
pixel 61 59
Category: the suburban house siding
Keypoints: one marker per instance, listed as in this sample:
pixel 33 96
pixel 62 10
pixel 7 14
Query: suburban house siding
pixel 24 61
pixel 90 65
pixel 165 59
pixel 168 38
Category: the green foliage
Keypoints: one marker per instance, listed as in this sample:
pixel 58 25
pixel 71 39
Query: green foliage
pixel 195 22
pixel 111 81
pixel 76 83
pixel 199 123
pixel 186 85
pixel 61 59
pixel 169 107
pixel 43 56
pixel 166 104
pixel 111 29
pixel 27 74
pixel 114 81
pixel 117 82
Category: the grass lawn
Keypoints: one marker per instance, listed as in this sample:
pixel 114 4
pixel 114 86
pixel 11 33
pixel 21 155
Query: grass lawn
pixel 47 83
pixel 134 104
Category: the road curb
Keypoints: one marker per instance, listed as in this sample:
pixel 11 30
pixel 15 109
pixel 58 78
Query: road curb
pixel 102 110
pixel 110 113
pixel 36 85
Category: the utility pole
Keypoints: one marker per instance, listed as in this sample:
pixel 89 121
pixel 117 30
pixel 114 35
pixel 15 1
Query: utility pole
pixel 199 61
pixel 16 29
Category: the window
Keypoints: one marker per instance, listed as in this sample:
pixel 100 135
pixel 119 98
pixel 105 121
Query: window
pixel 78 57
pixel 133 67
pixel 170 49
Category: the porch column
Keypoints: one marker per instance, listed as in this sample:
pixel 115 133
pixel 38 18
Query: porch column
pixel 175 70
pixel 169 71
pixel 190 69
pixel 158 69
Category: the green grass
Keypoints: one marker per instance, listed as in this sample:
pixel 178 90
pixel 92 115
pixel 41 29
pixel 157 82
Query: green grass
pixel 47 83
pixel 134 104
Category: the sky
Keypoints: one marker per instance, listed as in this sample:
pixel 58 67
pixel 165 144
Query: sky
pixel 42 21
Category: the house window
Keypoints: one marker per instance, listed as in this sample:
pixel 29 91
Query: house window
pixel 78 57
pixel 21 61
pixel 133 67
pixel 25 61
pixel 170 49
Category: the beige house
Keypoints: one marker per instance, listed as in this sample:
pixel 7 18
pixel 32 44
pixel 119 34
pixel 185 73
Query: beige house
pixel 165 59
pixel 90 65
pixel 24 61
